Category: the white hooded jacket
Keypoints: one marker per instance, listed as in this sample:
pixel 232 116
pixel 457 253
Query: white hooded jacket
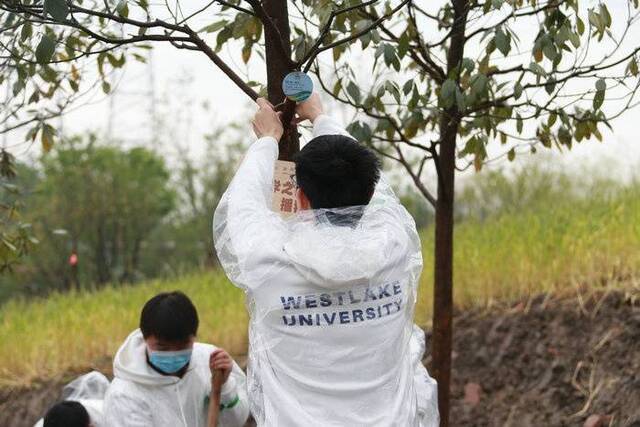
pixel 331 333
pixel 139 396
pixel 88 390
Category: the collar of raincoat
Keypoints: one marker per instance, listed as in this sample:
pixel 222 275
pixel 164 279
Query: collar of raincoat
pixel 131 364
pixel 332 256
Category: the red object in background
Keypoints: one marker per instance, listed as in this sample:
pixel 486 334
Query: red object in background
pixel 73 260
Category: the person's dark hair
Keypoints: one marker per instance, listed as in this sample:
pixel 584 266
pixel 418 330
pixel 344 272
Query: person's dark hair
pixel 67 414
pixel 169 316
pixel 335 171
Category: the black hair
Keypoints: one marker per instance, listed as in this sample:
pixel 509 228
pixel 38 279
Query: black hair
pixel 335 171
pixel 67 414
pixel 169 316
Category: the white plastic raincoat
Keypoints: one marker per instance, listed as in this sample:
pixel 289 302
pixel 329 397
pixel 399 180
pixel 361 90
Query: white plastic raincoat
pixel 331 334
pixel 89 391
pixel 139 396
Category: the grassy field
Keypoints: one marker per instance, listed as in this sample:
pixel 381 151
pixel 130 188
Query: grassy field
pixel 556 245
pixel 557 242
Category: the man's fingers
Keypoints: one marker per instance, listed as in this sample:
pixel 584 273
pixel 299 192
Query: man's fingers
pixel 222 364
pixel 263 103
pixel 221 359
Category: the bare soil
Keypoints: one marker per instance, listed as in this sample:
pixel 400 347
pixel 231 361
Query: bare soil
pixel 543 362
pixel 549 362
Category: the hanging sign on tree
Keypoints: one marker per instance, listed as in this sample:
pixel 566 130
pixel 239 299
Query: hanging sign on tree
pixel 284 188
pixel 297 86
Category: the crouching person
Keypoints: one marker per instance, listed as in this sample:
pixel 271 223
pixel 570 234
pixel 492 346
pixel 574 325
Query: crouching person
pixel 81 404
pixel 164 378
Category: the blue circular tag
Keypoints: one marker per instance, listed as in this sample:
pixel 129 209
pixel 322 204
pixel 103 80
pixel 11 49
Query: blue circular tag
pixel 297 86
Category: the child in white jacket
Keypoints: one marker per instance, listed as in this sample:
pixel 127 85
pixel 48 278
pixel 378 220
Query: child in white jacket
pixel 164 379
pixel 81 405
pixel 332 290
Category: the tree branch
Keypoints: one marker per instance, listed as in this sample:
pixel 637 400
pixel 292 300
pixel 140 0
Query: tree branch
pixel 355 36
pixel 204 47
pixel 327 27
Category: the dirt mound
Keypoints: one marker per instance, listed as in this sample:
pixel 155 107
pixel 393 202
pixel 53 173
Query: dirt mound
pixel 549 362
pixel 545 362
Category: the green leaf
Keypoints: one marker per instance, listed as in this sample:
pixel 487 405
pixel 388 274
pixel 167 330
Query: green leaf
pixel 33 132
pixel 604 13
pixel 503 41
pixel 479 86
pixel 354 91
pixel 580 26
pixel 337 88
pixel 550 51
pixel 246 52
pixel 115 62
pixel 338 51
pixel 143 4
pixel 407 87
pixel 106 87
pixel 601 85
pixel 550 86
pixel 448 93
pixel 45 50
pixel 519 123
pixel 389 54
pixel 511 155
pixel 35 97
pixel 212 28
pixel 468 64
pixel 26 32
pixel 393 89
pixel 17 87
pixel 517 91
pixel 58 9
pixel 222 37
pixel 537 69
pixel 598 100
pixel 633 67
pixel 122 8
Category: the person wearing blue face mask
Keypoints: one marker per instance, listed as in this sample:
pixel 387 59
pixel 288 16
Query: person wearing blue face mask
pixel 162 377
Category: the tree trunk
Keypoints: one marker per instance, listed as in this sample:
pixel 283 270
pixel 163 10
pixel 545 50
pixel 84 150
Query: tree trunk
pixel 443 271
pixel 278 67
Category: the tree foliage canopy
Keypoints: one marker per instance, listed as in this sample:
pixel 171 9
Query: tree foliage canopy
pixel 553 85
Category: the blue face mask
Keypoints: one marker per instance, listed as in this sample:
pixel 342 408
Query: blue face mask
pixel 169 362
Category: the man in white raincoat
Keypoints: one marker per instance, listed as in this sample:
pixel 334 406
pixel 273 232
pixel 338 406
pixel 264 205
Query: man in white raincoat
pixel 331 291
pixel 163 378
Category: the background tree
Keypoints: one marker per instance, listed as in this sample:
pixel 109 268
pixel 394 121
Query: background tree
pixel 100 203
pixel 470 77
pixel 15 233
pixel 186 241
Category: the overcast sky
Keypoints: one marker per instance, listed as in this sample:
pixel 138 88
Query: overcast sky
pixel 176 85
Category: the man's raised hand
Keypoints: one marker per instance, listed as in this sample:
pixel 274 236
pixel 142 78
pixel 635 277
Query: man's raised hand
pixel 309 109
pixel 266 121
